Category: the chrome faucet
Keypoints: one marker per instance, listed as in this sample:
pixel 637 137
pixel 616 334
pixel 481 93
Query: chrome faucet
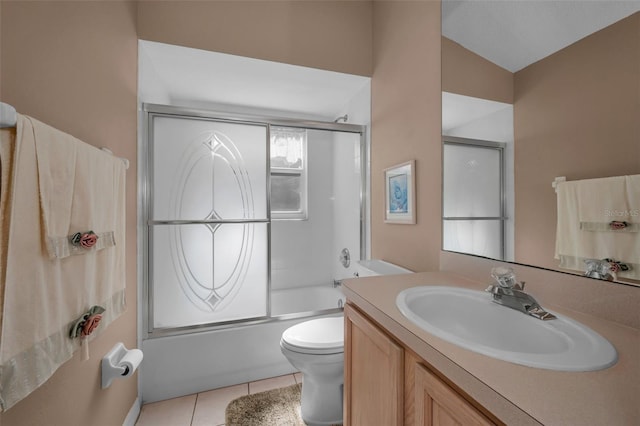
pixel 604 269
pixel 510 293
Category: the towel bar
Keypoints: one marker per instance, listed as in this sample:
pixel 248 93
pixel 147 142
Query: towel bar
pixel 9 118
pixel 557 180
pixel 124 160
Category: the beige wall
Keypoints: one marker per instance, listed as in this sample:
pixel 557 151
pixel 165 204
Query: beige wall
pixel 331 35
pixel 406 125
pixel 577 114
pixel 73 65
pixel 466 73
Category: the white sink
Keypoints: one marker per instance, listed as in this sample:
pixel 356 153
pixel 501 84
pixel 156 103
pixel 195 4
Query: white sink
pixel 470 319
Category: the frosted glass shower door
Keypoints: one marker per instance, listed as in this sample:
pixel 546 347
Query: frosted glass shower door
pixel 208 221
pixel 473 200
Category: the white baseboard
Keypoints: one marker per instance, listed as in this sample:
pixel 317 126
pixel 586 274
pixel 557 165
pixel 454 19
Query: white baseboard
pixel 133 414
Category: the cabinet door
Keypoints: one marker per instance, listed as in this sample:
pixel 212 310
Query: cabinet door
pixel 373 374
pixel 437 404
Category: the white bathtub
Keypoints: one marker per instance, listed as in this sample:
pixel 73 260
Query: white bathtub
pixel 306 299
pixel 185 364
pixel 181 365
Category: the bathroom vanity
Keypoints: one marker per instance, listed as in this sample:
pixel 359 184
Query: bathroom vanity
pixel 396 373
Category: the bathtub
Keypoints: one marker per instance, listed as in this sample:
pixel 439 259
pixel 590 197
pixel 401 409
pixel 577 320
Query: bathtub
pixel 190 363
pixel 306 299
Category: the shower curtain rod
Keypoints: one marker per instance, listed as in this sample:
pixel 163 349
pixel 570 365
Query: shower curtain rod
pixel 9 118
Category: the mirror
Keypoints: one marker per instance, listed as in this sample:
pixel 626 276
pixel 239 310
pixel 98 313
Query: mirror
pixel 557 83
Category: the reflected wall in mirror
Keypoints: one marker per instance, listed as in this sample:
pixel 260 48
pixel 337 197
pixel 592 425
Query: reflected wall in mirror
pixel 568 75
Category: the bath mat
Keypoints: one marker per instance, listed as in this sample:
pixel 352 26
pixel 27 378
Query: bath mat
pixel 277 407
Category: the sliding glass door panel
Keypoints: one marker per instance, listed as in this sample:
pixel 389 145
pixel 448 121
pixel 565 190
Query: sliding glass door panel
pixel 208 273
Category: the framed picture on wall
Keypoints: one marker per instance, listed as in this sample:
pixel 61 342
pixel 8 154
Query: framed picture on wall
pixel 400 193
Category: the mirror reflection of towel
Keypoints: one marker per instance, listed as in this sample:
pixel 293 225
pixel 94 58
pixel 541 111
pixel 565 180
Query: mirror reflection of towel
pixel 586 209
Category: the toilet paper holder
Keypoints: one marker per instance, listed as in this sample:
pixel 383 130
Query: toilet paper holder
pixel 119 362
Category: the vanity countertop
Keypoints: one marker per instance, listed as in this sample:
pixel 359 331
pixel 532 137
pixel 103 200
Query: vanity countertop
pixel 515 394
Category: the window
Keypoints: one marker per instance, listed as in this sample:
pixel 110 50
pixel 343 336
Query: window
pixel 288 173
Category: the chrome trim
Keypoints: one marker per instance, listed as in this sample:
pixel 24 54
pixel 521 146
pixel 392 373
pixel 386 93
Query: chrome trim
pixel 365 150
pixel 473 142
pixel 474 218
pixel 249 118
pixel 267 167
pixel 205 221
pixel 175 331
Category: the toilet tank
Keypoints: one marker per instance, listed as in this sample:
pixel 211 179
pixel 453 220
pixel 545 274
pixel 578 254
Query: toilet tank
pixel 373 267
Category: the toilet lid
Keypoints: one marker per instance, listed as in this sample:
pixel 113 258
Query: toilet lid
pixel 319 336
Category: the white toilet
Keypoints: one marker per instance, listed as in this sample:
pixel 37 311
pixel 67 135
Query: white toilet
pixel 316 349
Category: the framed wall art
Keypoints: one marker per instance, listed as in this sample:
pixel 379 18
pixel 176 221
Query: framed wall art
pixel 400 193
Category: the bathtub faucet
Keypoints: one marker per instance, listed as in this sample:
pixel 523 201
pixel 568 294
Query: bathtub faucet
pixel 337 283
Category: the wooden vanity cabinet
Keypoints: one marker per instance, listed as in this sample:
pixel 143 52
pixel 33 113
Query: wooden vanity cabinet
pixel 436 404
pixel 384 384
pixel 373 374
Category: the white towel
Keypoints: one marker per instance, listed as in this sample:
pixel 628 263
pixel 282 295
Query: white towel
pixel 43 296
pixel 585 210
pixel 76 190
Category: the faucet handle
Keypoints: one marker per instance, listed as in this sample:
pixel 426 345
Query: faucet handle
pixel 505 276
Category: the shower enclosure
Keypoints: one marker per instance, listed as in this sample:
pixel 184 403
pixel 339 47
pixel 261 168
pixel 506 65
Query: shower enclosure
pixel 245 217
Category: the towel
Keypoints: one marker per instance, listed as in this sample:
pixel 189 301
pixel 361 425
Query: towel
pixel 76 191
pixel 58 185
pixel 586 210
pixel 7 141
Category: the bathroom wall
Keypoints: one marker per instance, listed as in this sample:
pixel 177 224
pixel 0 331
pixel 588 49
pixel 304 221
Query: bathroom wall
pixel 577 126
pixel 397 42
pixel 489 81
pixel 73 66
pixel 406 125
pixel 330 35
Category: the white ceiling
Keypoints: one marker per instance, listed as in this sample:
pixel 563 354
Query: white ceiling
pixel 516 33
pixel 192 77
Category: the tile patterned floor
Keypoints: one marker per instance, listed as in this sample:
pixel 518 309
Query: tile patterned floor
pixel 206 408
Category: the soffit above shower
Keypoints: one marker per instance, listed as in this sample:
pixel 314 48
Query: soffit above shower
pixel 184 76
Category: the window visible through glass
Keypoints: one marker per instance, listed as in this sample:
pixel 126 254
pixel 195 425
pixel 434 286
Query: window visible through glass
pixel 288 173
pixel 287 148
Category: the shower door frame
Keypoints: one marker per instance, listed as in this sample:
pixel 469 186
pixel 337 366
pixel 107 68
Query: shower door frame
pixel 481 144
pixel 145 188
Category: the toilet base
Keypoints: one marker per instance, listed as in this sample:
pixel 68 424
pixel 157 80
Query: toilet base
pixel 320 406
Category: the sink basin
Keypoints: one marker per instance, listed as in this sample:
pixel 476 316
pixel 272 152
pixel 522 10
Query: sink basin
pixel 470 319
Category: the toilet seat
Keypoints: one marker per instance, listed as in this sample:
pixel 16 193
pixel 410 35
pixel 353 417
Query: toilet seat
pixel 323 336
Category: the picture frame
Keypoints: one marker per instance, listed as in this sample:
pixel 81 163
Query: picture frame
pixel 400 193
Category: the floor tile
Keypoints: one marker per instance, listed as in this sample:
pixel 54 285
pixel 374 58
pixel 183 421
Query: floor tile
pixel 272 383
pixel 172 412
pixel 210 405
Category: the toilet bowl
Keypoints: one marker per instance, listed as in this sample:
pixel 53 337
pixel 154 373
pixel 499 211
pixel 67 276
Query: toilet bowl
pixel 316 349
